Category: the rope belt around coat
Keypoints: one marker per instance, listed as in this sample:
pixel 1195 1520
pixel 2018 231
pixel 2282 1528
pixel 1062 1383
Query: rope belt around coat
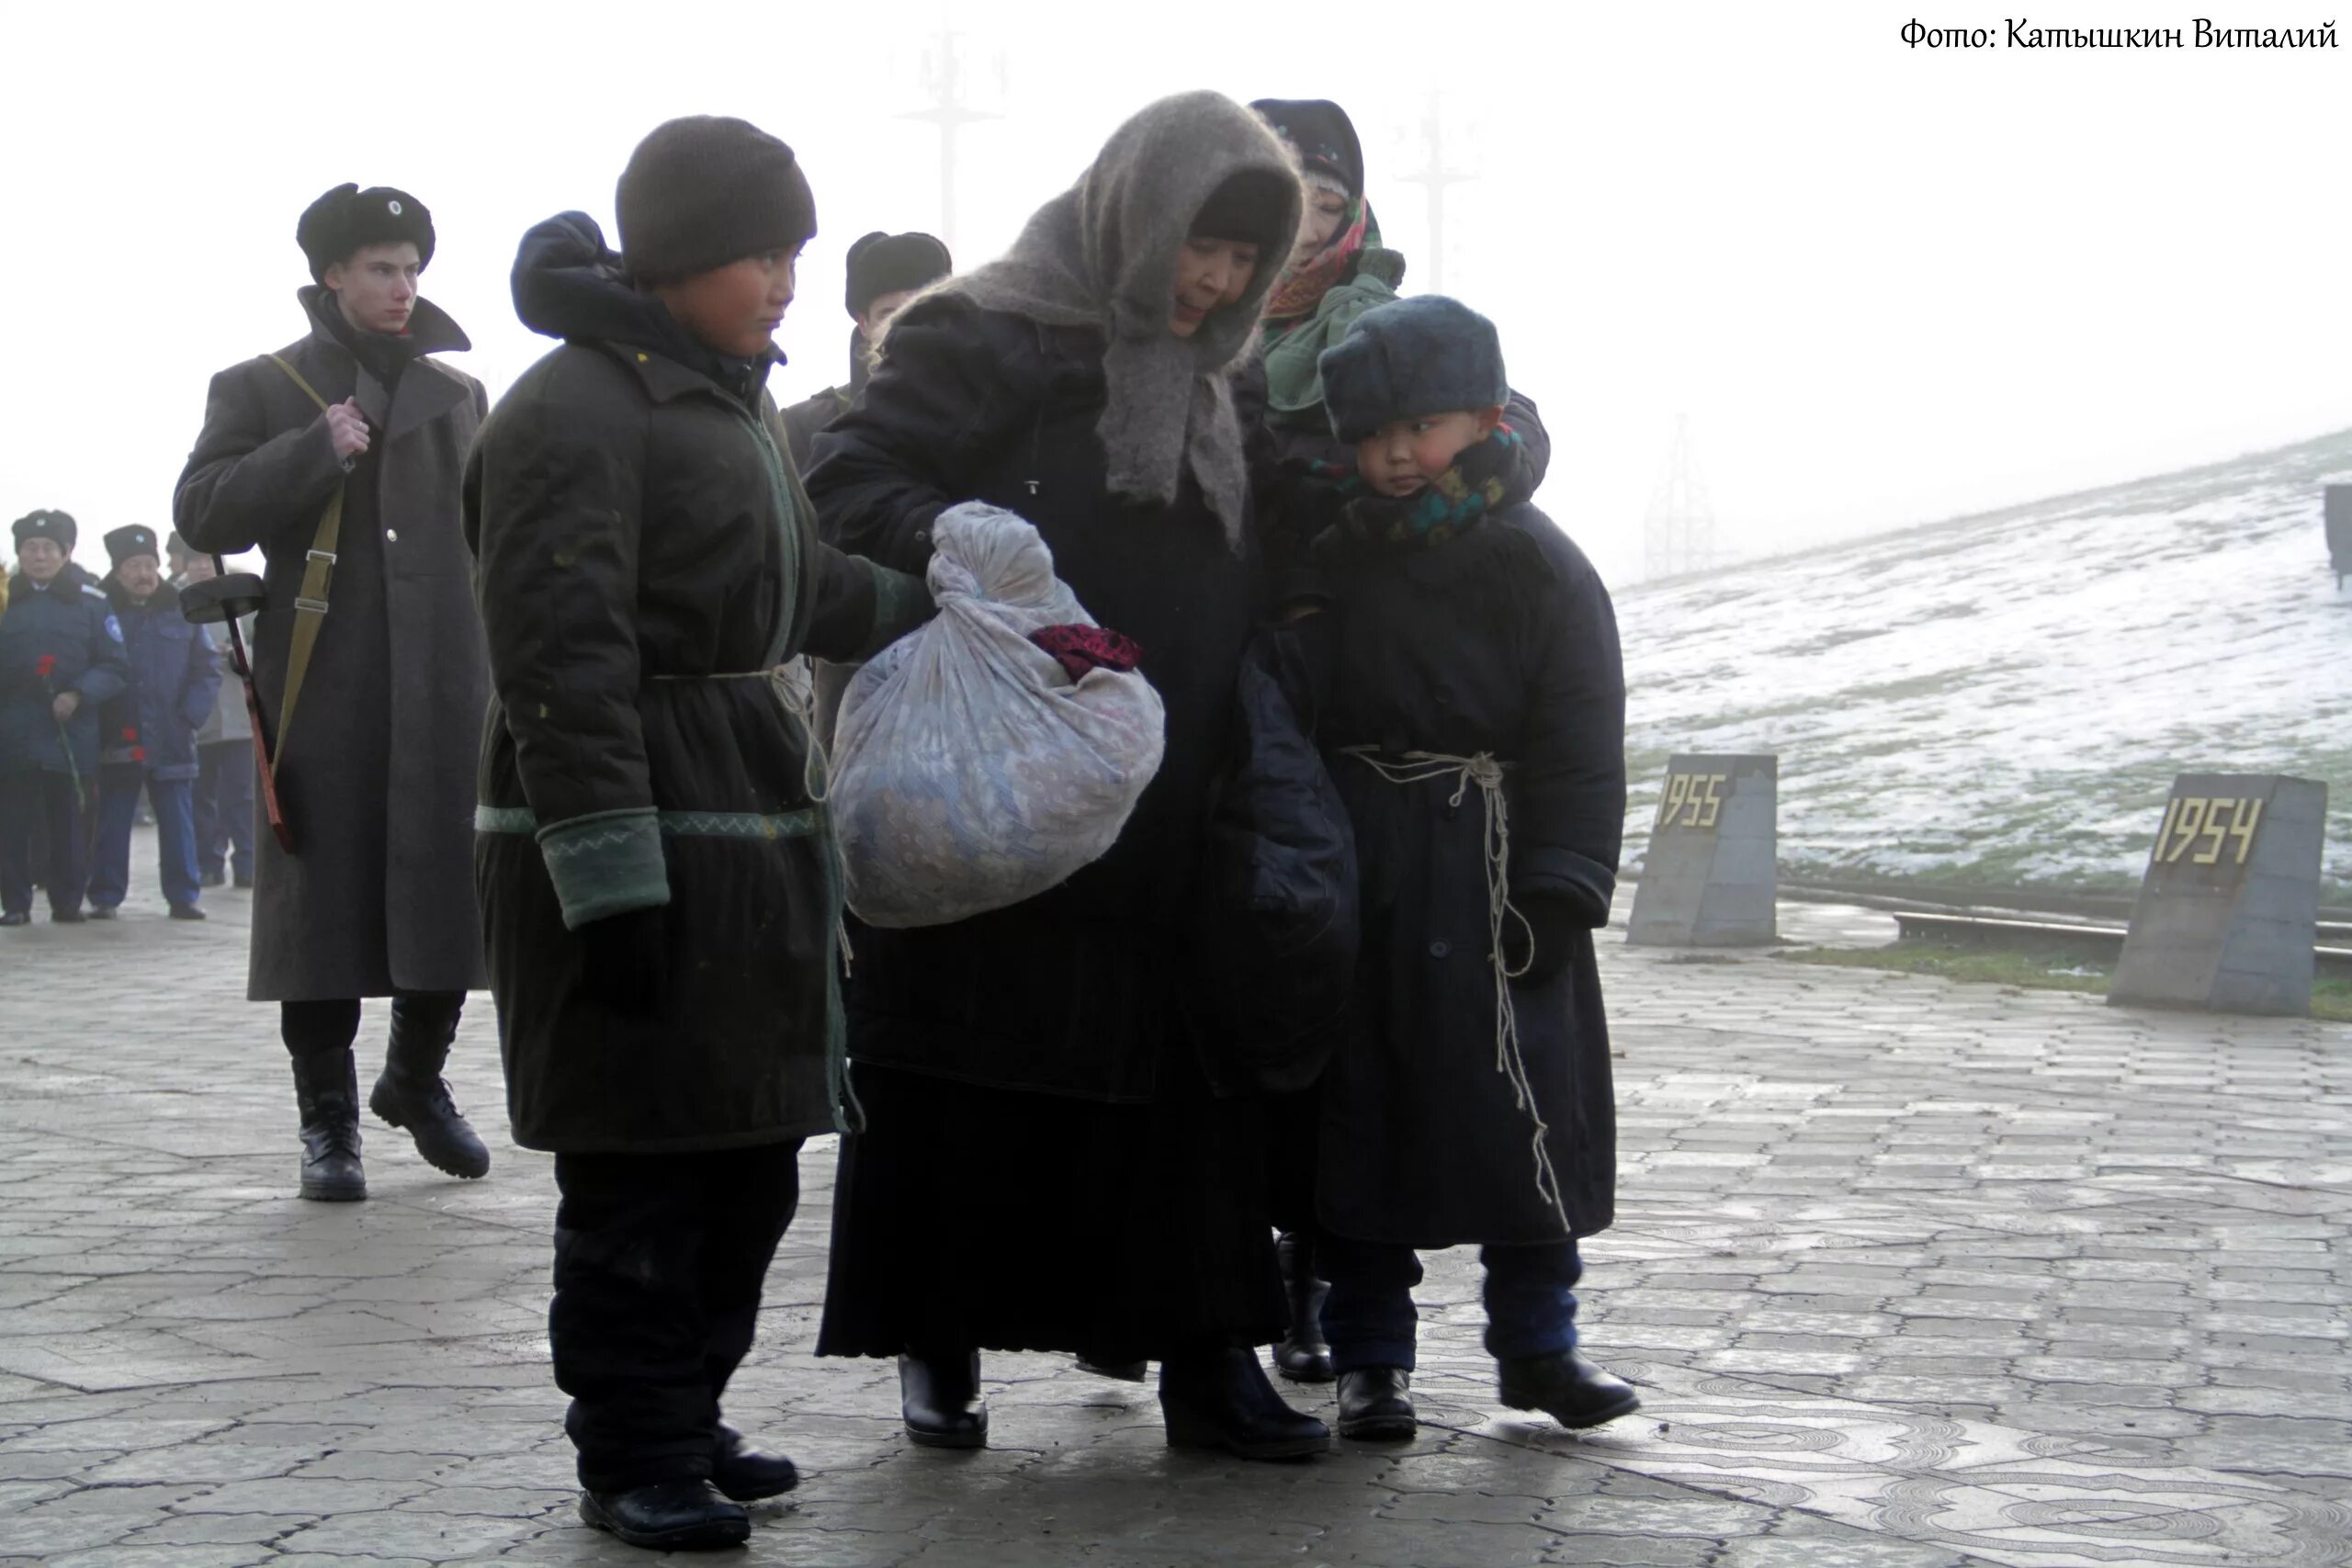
pixel 817 819
pixel 1484 772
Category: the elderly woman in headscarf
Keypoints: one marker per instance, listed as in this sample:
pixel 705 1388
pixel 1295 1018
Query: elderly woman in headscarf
pixel 1044 1165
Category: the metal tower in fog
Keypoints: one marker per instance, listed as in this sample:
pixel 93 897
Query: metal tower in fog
pixel 1437 174
pixel 951 110
pixel 1680 534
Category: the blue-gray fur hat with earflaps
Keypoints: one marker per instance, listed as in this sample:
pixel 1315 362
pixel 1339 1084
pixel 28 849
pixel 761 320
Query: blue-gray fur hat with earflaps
pixel 1428 354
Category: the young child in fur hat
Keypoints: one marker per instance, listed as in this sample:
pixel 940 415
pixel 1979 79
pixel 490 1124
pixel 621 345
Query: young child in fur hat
pixel 1472 715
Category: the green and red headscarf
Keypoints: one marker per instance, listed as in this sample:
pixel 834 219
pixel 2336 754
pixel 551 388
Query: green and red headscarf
pixel 1332 159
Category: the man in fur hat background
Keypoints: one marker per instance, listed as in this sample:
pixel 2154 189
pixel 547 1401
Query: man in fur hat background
pixel 148 730
pixel 339 457
pixel 885 272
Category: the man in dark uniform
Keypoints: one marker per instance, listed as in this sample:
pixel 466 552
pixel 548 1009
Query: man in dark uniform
pixel 885 272
pixel 60 659
pixel 339 457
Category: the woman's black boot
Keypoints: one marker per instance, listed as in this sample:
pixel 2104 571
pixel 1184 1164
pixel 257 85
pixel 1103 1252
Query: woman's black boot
pixel 939 1395
pixel 326 1090
pixel 1303 1356
pixel 1220 1399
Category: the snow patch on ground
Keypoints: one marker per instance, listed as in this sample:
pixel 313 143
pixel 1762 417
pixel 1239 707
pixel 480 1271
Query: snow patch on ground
pixel 2005 699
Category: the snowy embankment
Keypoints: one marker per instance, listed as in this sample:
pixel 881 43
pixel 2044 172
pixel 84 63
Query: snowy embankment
pixel 2004 700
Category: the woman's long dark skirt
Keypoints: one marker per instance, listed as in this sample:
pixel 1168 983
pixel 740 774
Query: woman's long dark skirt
pixel 989 1217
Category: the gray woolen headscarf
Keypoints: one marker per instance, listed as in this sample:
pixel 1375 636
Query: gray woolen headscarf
pixel 1103 253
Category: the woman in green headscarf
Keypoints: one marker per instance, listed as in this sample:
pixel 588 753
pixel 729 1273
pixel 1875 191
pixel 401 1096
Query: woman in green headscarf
pixel 1339 271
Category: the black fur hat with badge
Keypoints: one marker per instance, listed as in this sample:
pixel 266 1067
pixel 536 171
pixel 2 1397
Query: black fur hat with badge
pixel 123 544
pixel 336 225
pixel 57 528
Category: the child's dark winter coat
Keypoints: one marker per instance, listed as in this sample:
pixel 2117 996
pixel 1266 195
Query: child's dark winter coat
pixel 644 552
pixel 1499 641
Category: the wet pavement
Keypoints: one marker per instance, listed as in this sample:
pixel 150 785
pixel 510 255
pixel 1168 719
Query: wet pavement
pixel 1913 1274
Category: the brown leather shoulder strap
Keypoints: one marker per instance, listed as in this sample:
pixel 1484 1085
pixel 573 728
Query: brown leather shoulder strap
pixel 318 576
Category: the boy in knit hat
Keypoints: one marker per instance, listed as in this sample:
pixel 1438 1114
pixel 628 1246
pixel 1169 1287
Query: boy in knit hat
pixel 1475 723
pixel 885 272
pixel 655 867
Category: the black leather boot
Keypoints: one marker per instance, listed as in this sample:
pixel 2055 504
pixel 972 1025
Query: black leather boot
pixel 744 1473
pixel 939 1395
pixel 1376 1405
pixel 1302 1356
pixel 326 1090
pixel 669 1516
pixel 1220 1399
pixel 1568 1388
pixel 411 1094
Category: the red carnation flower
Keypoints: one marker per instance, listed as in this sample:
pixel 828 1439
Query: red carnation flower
pixel 130 732
pixel 47 667
pixel 138 753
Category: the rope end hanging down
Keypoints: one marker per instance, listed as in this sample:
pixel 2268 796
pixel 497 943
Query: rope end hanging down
pixel 1486 773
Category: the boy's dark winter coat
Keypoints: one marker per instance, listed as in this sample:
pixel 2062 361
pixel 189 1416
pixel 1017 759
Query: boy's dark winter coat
pixel 640 541
pixel 173 680
pixel 71 622
pixel 1501 641
pixel 1070 992
pixel 377 774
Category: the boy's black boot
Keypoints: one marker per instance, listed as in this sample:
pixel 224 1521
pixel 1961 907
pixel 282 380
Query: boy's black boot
pixel 745 1474
pixel 1302 1356
pixel 1568 1388
pixel 412 1095
pixel 326 1091
pixel 669 1516
pixel 939 1398
pixel 1219 1398
pixel 1376 1405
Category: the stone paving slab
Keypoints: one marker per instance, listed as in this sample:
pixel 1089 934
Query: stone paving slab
pixel 1912 1274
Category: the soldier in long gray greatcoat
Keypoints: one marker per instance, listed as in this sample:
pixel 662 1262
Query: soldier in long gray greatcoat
pixel 375 733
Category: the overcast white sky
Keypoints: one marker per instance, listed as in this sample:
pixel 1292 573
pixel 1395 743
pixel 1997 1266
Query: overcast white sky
pixel 1886 285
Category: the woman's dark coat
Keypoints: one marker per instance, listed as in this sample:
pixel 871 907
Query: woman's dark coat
pixel 72 623
pixel 1502 641
pixel 645 556
pixel 173 680
pixel 1074 992
pixel 377 776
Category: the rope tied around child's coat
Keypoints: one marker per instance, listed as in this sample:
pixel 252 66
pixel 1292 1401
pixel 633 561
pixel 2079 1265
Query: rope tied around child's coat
pixel 1483 771
pixel 795 694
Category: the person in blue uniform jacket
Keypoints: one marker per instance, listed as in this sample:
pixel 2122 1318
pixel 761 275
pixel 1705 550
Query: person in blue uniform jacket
pixel 148 733
pixel 61 660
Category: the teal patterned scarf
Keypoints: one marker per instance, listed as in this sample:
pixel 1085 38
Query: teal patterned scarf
pixel 1489 476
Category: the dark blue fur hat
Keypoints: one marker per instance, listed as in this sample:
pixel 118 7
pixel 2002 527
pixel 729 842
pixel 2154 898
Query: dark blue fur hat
pixel 1422 355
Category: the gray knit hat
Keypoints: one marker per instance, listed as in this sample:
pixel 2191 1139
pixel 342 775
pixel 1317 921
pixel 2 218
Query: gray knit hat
pixel 706 190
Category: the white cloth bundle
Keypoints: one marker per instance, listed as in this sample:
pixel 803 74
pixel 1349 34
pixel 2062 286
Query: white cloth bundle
pixel 969 772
